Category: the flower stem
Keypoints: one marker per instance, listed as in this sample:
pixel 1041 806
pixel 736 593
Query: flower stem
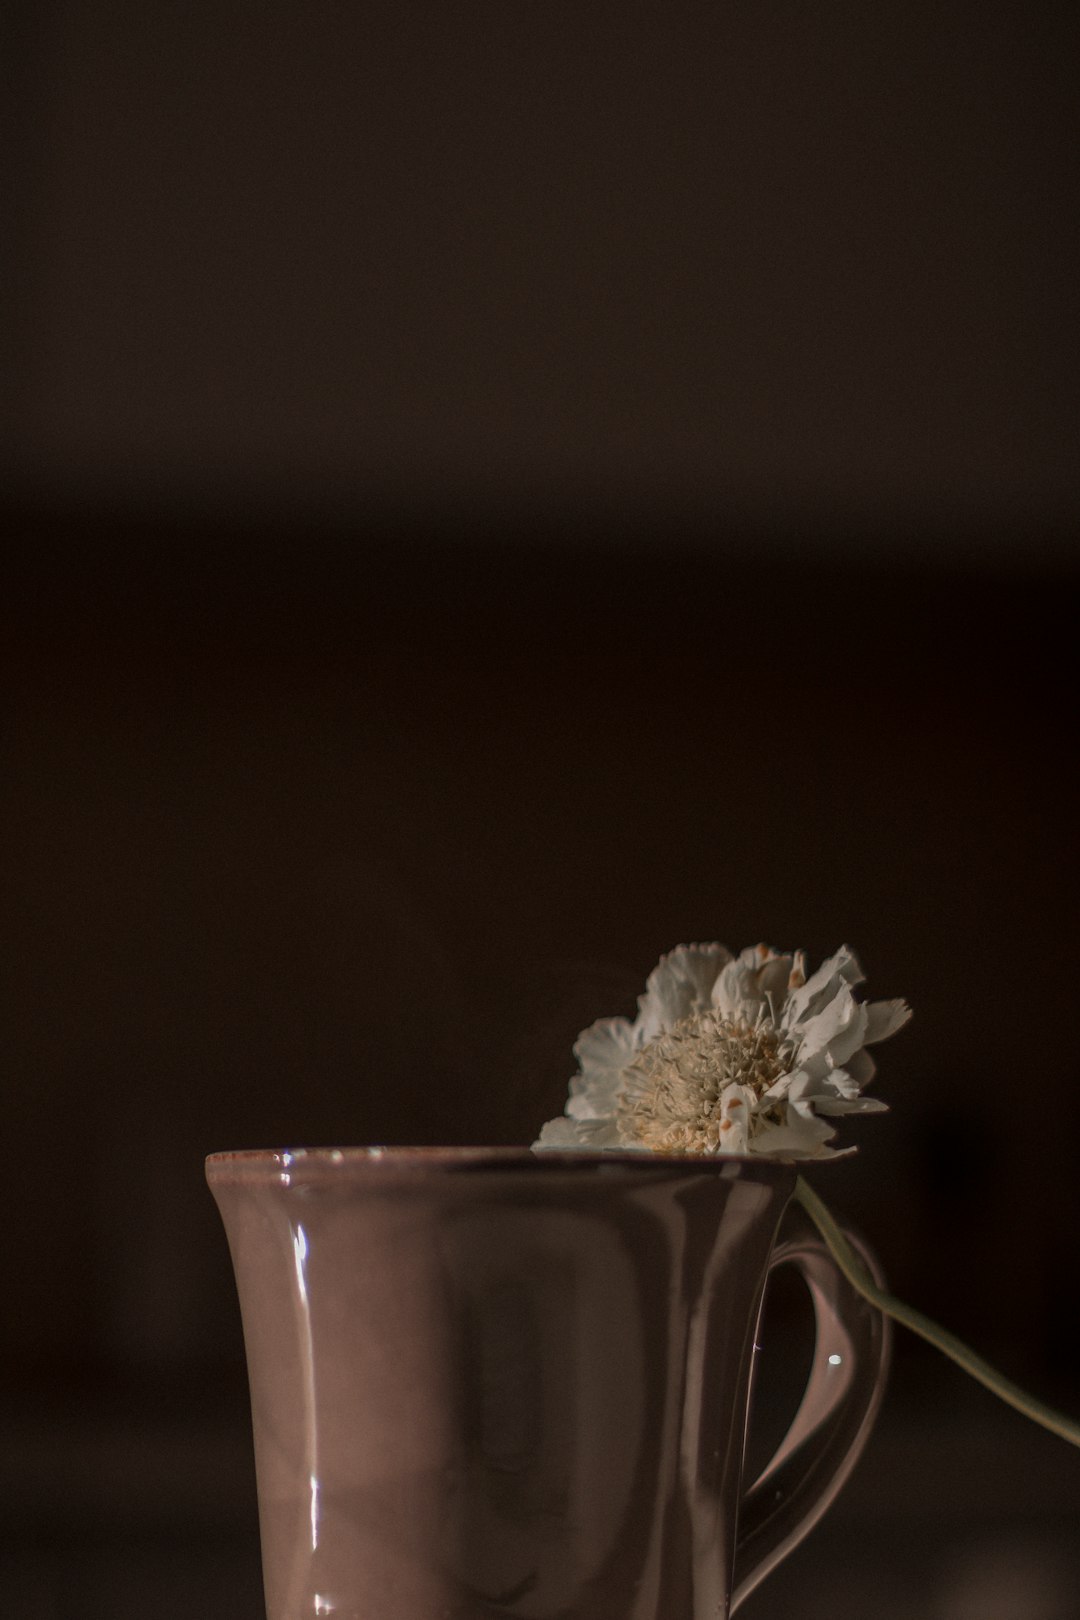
pixel 947 1343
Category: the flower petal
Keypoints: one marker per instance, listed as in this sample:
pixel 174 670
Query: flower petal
pixel 842 966
pixel 861 1066
pixel 757 980
pixel 591 1100
pixel 833 1106
pixel 730 991
pixel 834 1092
pixel 803 1136
pixel 603 1050
pixel 610 1043
pixel 679 984
pixel 736 1108
pixel 772 980
pixel 838 1028
pixel 810 1082
pixel 565 1133
pixel 884 1018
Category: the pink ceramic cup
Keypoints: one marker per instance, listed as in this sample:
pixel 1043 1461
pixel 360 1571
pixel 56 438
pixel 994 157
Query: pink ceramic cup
pixel 487 1382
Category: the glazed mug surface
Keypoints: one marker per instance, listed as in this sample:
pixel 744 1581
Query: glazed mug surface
pixel 497 1383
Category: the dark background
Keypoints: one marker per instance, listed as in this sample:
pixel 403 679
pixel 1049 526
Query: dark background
pixel 497 491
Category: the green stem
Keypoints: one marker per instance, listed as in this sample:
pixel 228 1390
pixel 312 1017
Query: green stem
pixel 947 1343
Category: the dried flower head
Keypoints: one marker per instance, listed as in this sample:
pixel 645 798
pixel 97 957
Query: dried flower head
pixel 729 1055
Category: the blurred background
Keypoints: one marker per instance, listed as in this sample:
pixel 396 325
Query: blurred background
pixel 493 492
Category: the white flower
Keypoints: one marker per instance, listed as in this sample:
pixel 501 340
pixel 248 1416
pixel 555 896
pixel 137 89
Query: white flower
pixel 728 1055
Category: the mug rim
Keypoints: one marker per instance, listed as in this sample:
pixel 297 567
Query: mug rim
pixel 288 1165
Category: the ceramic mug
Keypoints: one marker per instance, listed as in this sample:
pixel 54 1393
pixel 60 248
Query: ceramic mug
pixel 491 1382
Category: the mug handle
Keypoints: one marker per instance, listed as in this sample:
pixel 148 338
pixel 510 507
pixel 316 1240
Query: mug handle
pixel 835 1416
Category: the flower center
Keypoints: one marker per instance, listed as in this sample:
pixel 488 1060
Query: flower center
pixel 672 1101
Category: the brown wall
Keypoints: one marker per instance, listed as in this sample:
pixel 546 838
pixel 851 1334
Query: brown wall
pixel 497 492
